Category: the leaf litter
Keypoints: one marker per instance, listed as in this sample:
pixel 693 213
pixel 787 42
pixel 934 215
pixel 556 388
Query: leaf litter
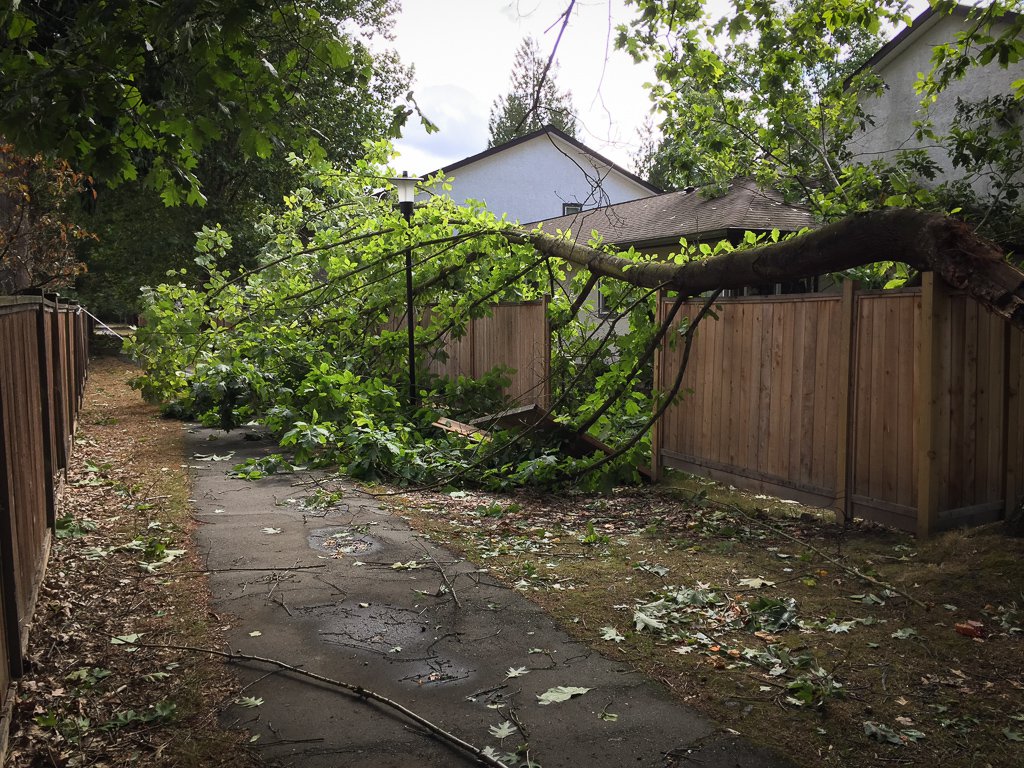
pixel 735 617
pixel 89 695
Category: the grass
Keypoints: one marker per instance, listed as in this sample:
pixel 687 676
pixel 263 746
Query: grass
pixel 862 676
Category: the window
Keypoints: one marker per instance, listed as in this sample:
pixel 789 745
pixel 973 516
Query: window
pixel 603 310
pixel 568 209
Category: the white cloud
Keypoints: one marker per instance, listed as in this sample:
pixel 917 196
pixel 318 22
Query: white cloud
pixel 463 51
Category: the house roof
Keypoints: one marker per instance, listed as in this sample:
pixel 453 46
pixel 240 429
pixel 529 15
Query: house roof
pixel 665 218
pixel 551 131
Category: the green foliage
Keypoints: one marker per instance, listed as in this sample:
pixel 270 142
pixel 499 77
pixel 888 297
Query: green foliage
pixel 68 527
pixel 533 100
pixel 759 92
pixel 308 343
pixel 774 90
pixel 141 90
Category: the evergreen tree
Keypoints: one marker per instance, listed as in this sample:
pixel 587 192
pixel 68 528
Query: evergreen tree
pixel 533 100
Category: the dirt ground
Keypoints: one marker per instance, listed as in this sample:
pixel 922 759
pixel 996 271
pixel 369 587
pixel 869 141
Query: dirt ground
pixel 121 567
pixel 748 609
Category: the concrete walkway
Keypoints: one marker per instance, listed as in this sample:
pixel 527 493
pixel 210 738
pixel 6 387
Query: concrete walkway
pixel 402 634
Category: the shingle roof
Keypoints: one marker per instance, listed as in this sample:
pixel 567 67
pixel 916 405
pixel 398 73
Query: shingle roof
pixel 664 219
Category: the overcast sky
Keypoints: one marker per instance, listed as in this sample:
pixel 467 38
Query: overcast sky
pixel 463 52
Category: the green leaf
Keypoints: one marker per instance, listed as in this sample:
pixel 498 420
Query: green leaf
pixel 249 702
pixel 643 621
pixel 906 633
pixel 755 583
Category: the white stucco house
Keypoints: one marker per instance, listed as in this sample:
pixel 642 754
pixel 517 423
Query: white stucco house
pixel 894 110
pixel 542 175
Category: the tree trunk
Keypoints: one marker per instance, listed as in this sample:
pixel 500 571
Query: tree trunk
pixel 925 241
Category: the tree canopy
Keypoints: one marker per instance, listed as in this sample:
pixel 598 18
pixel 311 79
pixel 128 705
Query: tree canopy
pixel 776 89
pixel 534 99
pixel 125 90
pixel 304 341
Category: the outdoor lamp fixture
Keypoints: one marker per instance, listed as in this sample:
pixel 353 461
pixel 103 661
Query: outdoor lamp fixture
pixel 406 186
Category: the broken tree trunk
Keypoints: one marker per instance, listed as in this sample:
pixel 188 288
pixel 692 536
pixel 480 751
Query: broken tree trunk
pixel 925 241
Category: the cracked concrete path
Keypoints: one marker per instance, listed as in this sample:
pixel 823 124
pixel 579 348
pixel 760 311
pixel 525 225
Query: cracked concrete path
pixel 403 634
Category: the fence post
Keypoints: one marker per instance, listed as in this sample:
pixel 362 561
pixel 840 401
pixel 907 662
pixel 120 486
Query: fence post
pixel 1014 422
pixel 8 578
pixel 547 355
pixel 847 401
pixel 59 400
pixel 656 428
pixel 47 414
pixel 931 422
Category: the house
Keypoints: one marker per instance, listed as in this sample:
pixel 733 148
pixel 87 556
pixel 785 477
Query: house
pixel 894 110
pixel 542 174
pixel 656 224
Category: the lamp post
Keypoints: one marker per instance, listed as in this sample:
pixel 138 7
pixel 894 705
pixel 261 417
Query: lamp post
pixel 406 186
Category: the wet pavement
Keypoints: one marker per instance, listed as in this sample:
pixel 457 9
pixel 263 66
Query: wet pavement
pixel 318 588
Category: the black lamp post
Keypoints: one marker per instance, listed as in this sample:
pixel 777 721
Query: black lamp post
pixel 406 186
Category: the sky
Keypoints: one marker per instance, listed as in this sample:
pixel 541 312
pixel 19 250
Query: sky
pixel 463 51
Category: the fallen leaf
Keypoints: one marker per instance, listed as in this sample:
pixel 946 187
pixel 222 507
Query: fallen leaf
pixel 560 693
pixel 502 730
pixel 610 633
pixel 755 583
pixel 970 629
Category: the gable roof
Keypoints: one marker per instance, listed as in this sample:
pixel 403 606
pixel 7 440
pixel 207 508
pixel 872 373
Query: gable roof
pixel 664 219
pixel 551 131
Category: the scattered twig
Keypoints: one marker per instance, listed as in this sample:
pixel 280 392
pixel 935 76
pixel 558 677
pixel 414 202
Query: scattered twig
pixel 358 690
pixel 518 723
pixel 488 690
pixel 850 569
pixel 444 576
pixel 280 601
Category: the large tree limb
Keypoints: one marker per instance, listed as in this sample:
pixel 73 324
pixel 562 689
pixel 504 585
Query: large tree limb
pixel 925 241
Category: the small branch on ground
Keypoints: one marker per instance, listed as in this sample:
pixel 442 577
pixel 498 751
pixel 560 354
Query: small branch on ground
pixel 448 583
pixel 850 569
pixel 358 690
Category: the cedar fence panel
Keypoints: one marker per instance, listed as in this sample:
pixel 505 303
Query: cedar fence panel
pixel 43 361
pixel 762 395
pixel 903 407
pixel 514 335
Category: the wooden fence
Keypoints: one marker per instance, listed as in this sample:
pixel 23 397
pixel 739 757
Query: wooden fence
pixel 902 407
pixel 43 359
pixel 514 335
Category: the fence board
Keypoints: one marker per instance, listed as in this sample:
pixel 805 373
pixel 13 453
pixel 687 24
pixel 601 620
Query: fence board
pixel 820 395
pixel 43 360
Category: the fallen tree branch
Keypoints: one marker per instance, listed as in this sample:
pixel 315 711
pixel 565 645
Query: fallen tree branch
pixel 358 690
pixel 925 241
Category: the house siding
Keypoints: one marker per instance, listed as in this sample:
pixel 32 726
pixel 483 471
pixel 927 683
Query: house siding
pixel 898 106
pixel 530 181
